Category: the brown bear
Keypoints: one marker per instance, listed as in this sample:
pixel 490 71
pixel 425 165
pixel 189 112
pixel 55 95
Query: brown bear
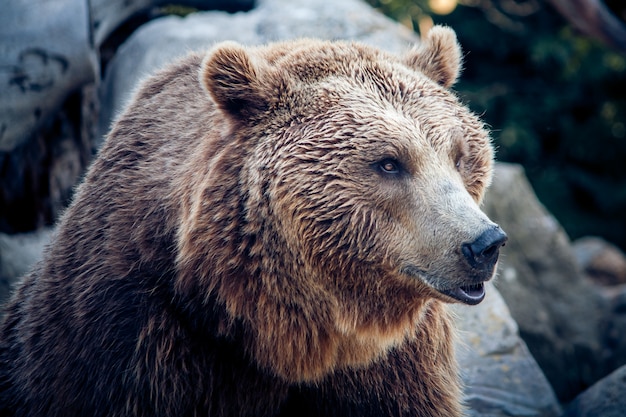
pixel 267 231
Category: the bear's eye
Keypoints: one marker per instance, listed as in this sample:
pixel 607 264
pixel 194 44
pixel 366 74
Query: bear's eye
pixel 460 149
pixel 389 166
pixel 459 164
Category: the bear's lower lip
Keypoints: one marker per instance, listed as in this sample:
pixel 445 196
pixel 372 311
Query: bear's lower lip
pixel 468 294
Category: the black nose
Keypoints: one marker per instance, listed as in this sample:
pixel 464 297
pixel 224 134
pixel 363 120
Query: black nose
pixel 483 252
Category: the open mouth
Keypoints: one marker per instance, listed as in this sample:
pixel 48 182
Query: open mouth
pixel 468 294
pixel 471 294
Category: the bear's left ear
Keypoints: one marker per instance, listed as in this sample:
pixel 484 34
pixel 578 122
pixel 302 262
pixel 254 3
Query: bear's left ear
pixel 233 79
pixel 438 56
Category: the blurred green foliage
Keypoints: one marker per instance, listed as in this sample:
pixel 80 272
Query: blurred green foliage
pixel 555 99
pixel 176 10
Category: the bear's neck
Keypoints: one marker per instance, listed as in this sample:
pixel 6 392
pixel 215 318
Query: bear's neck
pixel 294 327
pixel 310 339
pixel 301 331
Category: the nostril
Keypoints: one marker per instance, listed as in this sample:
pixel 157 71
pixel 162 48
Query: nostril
pixel 490 251
pixel 485 249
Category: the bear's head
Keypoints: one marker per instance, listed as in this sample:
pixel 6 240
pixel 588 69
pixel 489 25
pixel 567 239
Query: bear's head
pixel 344 197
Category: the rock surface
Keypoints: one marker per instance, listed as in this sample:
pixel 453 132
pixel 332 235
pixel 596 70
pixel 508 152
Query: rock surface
pixel 107 15
pixel 558 311
pixel 45 55
pixel 502 377
pixel 605 266
pixel 604 399
pixel 615 327
pixel 614 339
pixel 17 254
pixel 603 262
pixel 38 177
pixel 50 48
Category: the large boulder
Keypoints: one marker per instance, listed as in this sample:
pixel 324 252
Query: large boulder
pixel 604 399
pixel 50 48
pixel 45 55
pixel 614 339
pixel 105 16
pixel 559 312
pixel 601 261
pixel 502 378
pixel 604 265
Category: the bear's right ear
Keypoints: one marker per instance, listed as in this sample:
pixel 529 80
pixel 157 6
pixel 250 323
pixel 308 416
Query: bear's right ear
pixel 233 80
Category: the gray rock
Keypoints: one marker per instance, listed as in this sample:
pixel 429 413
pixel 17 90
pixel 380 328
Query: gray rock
pixel 603 262
pixel 50 48
pixel 604 399
pixel 108 15
pixel 38 178
pixel 18 253
pixel 559 312
pixel 45 55
pixel 605 266
pixel 614 339
pixel 501 376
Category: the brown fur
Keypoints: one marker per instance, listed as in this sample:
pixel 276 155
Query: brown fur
pixel 236 249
